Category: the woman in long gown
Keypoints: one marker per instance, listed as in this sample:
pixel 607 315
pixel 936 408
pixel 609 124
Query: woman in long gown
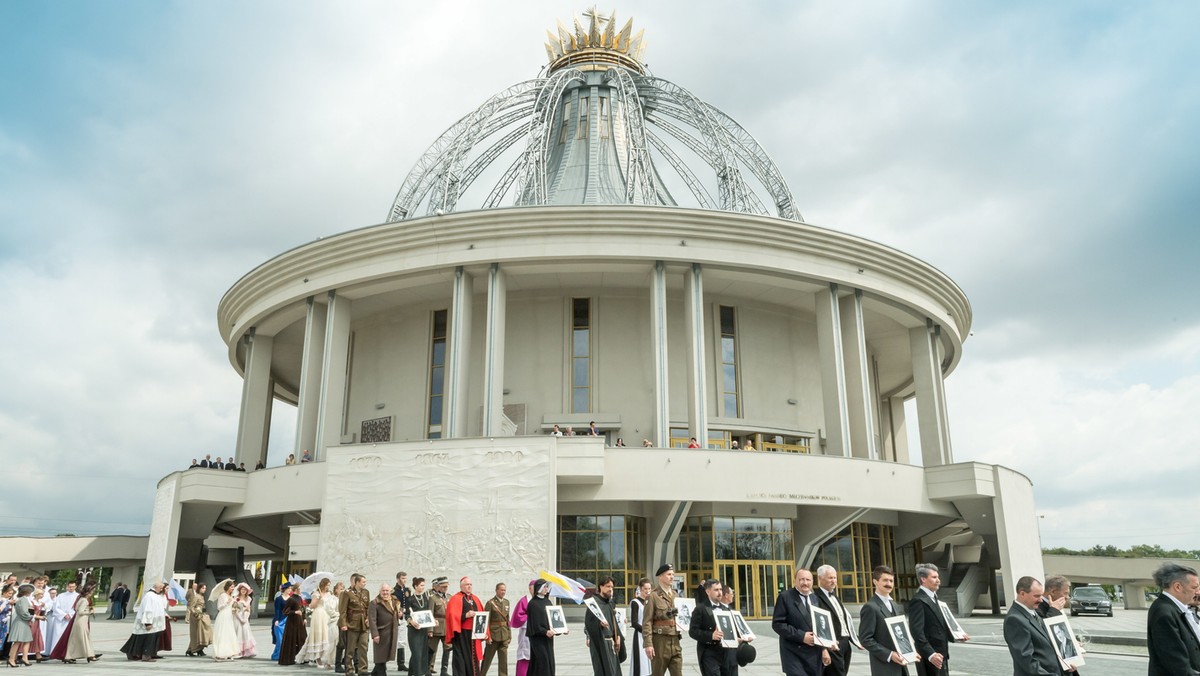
pixel 225 642
pixel 199 623
pixel 418 638
pixel 519 617
pixel 241 616
pixel 6 605
pixel 294 632
pixel 541 636
pixel 318 626
pixel 78 644
pixel 41 602
pixel 334 634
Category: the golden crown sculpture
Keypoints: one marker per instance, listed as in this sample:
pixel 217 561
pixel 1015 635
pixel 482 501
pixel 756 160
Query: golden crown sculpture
pixel 597 48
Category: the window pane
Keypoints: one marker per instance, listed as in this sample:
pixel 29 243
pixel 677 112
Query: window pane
pixel 724 542
pixel 729 382
pixel 439 352
pixel 435 410
pixel 731 404
pixel 436 380
pixel 581 313
pixel 566 523
pixel 722 523
pixel 581 342
pixel 579 375
pixel 618 522
pixel 727 324
pixel 579 402
pixel 727 350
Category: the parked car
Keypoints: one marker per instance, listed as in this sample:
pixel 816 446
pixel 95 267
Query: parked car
pixel 1090 599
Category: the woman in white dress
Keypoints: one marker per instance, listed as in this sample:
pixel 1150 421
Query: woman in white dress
pixel 317 644
pixel 332 608
pixel 241 616
pixel 225 643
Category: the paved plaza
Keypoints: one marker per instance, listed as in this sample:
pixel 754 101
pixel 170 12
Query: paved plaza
pixel 985 655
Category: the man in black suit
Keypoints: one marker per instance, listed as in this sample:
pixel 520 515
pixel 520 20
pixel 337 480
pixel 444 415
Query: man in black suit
pixel 792 620
pixel 217 464
pixel 826 596
pixel 704 630
pixel 1172 636
pixel 1026 635
pixel 207 461
pixel 929 627
pixel 873 630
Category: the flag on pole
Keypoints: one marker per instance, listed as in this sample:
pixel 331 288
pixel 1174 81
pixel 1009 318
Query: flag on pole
pixel 562 586
pixel 177 591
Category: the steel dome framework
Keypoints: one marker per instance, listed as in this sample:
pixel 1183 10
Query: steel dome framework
pixel 647 113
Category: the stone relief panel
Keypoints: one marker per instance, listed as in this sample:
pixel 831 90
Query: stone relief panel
pixel 473 507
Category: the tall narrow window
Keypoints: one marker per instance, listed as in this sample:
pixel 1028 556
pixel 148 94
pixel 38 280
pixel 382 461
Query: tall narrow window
pixel 729 374
pixel 566 121
pixel 581 355
pixel 584 109
pixel 437 375
pixel 603 117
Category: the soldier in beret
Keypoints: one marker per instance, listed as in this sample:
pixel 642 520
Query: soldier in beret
pixel 437 603
pixel 659 632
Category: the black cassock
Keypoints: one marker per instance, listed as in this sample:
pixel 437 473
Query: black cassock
pixel 463 646
pixel 600 639
pixel 541 647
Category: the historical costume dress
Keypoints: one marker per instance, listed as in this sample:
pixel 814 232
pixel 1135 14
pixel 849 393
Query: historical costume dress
pixel 241 617
pixel 639 663
pixel 294 632
pixel 38 624
pixel 520 617
pixel 277 620
pixel 385 635
pixel 331 603
pixel 317 645
pixel 418 639
pixel 226 645
pixel 541 646
pixel 6 607
pixel 199 624
pixel 77 641
pixel 19 623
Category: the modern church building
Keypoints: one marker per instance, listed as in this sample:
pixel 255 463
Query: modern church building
pixel 599 249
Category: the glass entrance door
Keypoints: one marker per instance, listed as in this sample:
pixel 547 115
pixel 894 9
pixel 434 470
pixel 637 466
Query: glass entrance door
pixel 756 585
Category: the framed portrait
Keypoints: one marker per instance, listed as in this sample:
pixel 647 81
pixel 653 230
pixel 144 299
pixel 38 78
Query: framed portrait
pixel 1066 646
pixel 729 638
pixel 739 623
pixel 619 616
pixel 683 614
pixel 956 629
pixel 558 620
pixel 902 637
pixel 594 608
pixel 424 619
pixel 479 629
pixel 822 623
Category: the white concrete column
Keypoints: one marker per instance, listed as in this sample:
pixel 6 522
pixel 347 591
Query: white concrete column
pixel 859 409
pixel 335 360
pixel 128 574
pixel 895 429
pixel 164 533
pixel 493 353
pixel 665 522
pixel 833 372
pixel 658 341
pixel 309 400
pixel 927 378
pixel 697 374
pixel 254 423
pixel 458 357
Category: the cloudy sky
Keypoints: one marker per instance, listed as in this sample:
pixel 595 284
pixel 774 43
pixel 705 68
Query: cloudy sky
pixel 1044 155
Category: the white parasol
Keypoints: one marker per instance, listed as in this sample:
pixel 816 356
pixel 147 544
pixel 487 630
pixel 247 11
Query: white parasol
pixel 216 590
pixel 309 584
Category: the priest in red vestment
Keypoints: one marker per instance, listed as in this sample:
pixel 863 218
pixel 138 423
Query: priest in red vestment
pixel 460 613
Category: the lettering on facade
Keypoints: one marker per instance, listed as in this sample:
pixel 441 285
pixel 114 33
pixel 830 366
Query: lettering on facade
pixel 366 462
pixel 793 496
pixel 499 457
pixel 433 458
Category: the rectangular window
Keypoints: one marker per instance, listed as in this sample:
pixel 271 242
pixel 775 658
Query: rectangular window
pixel 581 355
pixel 593 547
pixel 437 375
pixel 566 122
pixel 603 117
pixel 729 374
pixel 584 108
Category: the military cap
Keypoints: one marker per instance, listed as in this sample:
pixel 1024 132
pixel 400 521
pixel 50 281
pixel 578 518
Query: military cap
pixel 664 568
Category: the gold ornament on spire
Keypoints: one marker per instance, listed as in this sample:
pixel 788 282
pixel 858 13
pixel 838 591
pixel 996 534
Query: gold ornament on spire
pixel 599 46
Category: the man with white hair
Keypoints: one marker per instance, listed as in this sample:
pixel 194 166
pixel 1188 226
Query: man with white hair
pixel 930 629
pixel 826 597
pixel 148 624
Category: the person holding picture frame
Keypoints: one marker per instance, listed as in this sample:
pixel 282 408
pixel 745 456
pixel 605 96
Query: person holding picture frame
pixel 704 631
pixel 604 643
pixel 873 630
pixel 930 630
pixel 843 624
pixel 540 633
pixel 418 636
pixel 799 653
pixel 466 651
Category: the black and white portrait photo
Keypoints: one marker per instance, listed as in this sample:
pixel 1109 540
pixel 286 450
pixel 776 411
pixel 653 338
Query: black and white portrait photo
pixel 902 637
pixel 480 628
pixel 822 622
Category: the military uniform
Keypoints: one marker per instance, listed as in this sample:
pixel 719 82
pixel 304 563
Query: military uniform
pixel 352 608
pixel 501 634
pixel 660 632
pixel 437 603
